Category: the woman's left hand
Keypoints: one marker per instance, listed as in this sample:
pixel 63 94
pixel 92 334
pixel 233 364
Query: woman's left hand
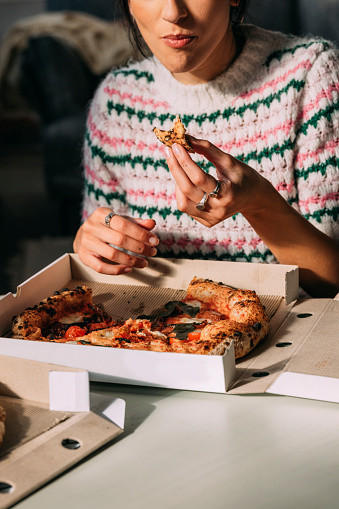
pixel 238 186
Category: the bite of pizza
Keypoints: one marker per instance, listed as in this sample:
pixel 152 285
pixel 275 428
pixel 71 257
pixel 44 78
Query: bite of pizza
pixel 175 135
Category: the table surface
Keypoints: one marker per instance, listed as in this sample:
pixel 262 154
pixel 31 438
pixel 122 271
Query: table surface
pixel 184 449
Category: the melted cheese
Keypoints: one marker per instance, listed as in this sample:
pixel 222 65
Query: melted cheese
pixel 194 303
pixel 67 320
pixel 190 320
pixel 158 334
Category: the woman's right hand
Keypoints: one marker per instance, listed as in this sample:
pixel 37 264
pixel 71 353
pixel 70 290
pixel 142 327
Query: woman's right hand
pixel 98 245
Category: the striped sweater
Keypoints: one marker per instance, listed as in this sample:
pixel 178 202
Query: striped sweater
pixel 276 108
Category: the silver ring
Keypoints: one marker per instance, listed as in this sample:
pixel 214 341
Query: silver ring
pixel 108 219
pixel 214 193
pixel 202 203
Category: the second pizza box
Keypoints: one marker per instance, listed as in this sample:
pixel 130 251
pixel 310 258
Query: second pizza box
pixel 52 422
pixel 287 349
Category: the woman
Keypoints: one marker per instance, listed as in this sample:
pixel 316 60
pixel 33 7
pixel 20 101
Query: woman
pixel 268 99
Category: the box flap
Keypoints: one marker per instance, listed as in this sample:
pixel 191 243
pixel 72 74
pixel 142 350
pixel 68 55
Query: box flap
pixel 306 344
pixel 41 443
pixel 38 461
pixel 313 371
pixel 27 379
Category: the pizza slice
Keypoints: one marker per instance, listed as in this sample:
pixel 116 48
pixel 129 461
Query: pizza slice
pixel 175 135
pixel 62 317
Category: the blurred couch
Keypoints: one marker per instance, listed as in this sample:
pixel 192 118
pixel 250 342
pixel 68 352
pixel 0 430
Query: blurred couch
pixel 58 82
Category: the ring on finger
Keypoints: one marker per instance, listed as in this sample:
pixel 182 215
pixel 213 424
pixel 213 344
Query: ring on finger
pixel 201 205
pixel 108 218
pixel 214 193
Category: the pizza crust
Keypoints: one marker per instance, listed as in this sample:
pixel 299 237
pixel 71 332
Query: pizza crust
pixel 247 323
pixel 29 324
pixel 175 135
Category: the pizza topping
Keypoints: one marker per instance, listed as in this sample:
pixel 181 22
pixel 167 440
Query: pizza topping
pixel 171 308
pixel 75 332
pixel 71 319
pixel 194 335
pixel 181 330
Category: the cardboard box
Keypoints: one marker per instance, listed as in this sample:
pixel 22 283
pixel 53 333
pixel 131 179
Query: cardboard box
pixel 48 429
pixel 295 345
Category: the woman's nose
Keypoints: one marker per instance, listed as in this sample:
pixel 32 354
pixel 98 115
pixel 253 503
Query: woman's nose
pixel 174 10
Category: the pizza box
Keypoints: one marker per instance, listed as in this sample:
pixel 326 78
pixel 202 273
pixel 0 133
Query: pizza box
pixel 52 422
pixel 299 357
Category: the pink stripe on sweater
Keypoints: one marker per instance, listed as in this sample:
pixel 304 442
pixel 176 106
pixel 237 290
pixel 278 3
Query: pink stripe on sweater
pixel 151 193
pixel 285 126
pixel 136 99
pixel 324 94
pixel 198 242
pixel 113 183
pixel 306 64
pixel 319 200
pixel 330 147
pixel 284 186
pixel 115 142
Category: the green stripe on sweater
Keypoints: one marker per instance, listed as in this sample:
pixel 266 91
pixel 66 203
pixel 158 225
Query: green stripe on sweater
pixel 277 55
pixel 200 119
pixel 324 113
pixel 317 168
pixel 122 160
pixel 253 257
pixel 134 72
pixel 319 214
pixel 91 189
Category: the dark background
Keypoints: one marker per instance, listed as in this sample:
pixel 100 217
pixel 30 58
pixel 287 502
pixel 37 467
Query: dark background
pixel 41 139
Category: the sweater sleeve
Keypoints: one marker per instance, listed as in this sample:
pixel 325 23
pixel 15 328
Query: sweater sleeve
pixel 102 186
pixel 317 145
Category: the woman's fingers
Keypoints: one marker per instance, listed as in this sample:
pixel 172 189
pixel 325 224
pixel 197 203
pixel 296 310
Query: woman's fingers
pixel 126 234
pixel 112 244
pixel 217 157
pixel 191 180
pixel 95 262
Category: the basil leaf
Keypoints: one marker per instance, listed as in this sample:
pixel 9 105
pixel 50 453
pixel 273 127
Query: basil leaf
pixel 181 330
pixel 169 308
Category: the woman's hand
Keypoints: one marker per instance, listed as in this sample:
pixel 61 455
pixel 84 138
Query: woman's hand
pixel 239 185
pixel 99 244
pixel 290 237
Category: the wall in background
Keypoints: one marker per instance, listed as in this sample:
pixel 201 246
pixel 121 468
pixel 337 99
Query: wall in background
pixel 14 10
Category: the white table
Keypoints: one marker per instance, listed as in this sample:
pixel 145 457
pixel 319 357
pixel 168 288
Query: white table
pixel 190 450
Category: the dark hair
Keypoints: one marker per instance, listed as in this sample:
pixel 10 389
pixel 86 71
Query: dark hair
pixel 237 14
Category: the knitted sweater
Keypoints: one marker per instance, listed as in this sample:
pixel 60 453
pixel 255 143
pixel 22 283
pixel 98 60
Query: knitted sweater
pixel 275 108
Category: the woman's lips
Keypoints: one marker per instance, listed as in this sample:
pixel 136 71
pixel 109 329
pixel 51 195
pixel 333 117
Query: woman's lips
pixel 177 41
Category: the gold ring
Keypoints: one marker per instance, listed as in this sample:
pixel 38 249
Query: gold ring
pixel 108 218
pixel 214 193
pixel 202 203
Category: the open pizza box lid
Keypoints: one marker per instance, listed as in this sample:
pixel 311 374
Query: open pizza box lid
pixel 299 357
pixel 52 422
